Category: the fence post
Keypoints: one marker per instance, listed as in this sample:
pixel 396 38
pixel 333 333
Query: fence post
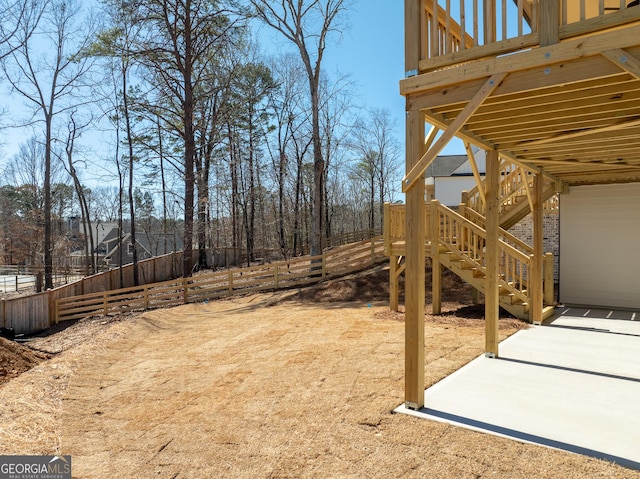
pixel 275 274
pixel 4 314
pixel 50 307
pixel 324 265
pixel 185 287
pixel 373 252
pixel 56 314
pixel 230 282
pixel 146 296
pixel 105 303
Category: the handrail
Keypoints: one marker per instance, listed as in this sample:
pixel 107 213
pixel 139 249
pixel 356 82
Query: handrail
pixel 467 241
pixel 514 182
pixel 503 234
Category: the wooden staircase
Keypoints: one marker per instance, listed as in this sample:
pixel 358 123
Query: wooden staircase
pixel 515 302
pixel 515 198
pixel 457 241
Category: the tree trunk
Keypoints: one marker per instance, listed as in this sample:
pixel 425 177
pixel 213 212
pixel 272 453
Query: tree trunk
pixel 281 237
pixel 189 145
pixel 132 213
pixel 48 241
pixel 318 174
pixel 164 188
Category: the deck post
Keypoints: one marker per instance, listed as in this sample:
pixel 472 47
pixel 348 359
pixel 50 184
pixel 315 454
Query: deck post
pixel 415 224
pixel 436 267
pixel 489 9
pixel 393 283
pixel 549 22
pixel 538 250
pixel 414 271
pixel 491 298
pixel 549 294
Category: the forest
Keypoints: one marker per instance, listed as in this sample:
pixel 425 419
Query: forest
pixel 173 122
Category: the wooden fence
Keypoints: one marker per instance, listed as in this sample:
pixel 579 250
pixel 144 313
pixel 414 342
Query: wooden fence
pixel 283 274
pixel 36 312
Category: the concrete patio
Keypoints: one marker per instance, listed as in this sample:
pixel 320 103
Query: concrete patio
pixel 572 384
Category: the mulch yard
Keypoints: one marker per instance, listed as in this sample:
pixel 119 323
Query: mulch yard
pixel 300 383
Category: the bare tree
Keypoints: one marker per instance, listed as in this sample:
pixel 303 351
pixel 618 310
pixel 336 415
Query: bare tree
pixel 14 15
pixel 377 154
pixel 179 41
pixel 74 131
pixel 26 171
pixel 49 80
pixel 307 24
pixel 288 111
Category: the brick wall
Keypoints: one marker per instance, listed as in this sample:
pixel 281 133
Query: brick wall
pixel 524 231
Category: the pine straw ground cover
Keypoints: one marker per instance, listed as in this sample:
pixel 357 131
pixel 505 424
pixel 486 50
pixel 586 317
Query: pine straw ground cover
pixel 295 384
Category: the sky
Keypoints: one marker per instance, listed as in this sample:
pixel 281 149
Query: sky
pixel 370 50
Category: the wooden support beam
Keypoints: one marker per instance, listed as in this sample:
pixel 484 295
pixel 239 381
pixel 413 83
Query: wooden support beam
pixel 476 172
pixel 491 298
pixel 527 188
pixel 581 133
pixel 393 283
pixel 412 36
pixel 489 15
pixel 415 224
pixel 431 136
pixel 624 60
pixel 475 296
pixel 537 263
pixel 414 271
pixel 436 267
pixel 549 293
pixel 536 58
pixel 417 171
pixel 578 165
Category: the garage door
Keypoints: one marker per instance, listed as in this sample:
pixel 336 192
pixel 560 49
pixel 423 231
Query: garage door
pixel 600 246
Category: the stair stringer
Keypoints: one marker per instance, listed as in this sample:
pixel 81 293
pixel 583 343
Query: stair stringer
pixel 517 306
pixel 511 216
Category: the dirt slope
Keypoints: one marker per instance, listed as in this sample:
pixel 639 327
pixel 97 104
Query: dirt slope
pixel 261 386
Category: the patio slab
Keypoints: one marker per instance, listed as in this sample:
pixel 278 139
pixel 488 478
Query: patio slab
pixel 572 384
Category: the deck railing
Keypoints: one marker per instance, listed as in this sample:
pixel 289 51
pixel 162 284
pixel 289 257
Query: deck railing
pixel 516 183
pixel 455 31
pixel 395 224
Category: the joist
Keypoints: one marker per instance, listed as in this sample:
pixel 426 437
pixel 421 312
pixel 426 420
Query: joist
pixel 625 60
pixel 417 171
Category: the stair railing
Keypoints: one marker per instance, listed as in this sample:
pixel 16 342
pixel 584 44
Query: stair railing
pixel 504 235
pixel 467 241
pixel 515 182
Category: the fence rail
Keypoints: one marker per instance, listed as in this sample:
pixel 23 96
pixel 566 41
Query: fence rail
pixel 283 274
pixel 36 312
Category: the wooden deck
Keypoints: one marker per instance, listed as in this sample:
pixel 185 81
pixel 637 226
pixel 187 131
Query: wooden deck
pixel 551 85
pixel 564 98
